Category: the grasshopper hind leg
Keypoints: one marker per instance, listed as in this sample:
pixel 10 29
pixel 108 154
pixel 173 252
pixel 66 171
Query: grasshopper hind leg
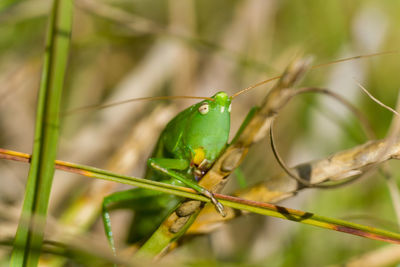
pixel 150 208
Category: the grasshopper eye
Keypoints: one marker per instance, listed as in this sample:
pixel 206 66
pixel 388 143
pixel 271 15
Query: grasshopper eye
pixel 203 109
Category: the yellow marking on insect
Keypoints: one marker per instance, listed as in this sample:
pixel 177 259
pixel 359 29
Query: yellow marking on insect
pixel 199 156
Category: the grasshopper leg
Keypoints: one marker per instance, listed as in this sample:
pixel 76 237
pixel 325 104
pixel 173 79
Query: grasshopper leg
pixel 167 166
pixel 125 199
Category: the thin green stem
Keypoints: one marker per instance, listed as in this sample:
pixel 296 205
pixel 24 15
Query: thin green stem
pixel 229 201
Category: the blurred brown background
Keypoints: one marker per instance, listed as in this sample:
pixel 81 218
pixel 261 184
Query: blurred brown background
pixel 125 49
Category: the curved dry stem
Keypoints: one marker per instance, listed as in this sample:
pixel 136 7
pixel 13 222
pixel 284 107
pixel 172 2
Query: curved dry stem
pixel 300 180
pixel 364 122
pixel 283 164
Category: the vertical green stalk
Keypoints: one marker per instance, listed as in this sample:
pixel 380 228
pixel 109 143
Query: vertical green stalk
pixel 29 236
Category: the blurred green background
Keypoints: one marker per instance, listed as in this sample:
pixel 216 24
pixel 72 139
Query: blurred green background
pixel 124 49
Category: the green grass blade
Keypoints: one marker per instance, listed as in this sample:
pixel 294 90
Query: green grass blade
pixel 234 202
pixel 29 236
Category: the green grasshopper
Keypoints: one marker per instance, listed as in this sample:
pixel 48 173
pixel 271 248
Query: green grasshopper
pixel 186 149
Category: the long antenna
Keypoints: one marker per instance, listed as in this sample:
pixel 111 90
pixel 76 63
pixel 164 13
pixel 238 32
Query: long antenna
pixel 103 106
pixel 314 67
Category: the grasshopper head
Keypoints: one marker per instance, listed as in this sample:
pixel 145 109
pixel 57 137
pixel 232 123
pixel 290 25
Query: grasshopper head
pixel 207 130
